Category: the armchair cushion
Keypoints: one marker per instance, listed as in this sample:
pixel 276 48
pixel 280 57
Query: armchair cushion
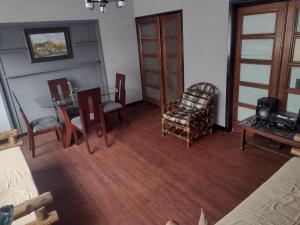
pixel 193 100
pixel 178 115
pixel 44 123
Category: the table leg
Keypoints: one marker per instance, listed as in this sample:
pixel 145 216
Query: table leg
pixel 243 139
pixel 68 126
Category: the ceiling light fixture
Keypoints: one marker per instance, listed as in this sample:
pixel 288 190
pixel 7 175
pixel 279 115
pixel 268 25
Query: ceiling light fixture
pixel 90 4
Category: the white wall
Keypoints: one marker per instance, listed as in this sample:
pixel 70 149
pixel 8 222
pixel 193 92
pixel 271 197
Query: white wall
pixel 205 30
pixel 4 122
pixel 117 28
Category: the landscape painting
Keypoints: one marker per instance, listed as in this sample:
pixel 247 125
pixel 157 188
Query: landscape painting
pixel 48 44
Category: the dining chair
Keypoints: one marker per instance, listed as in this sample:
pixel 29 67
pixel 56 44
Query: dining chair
pixel 91 116
pixel 119 104
pixel 59 88
pixel 40 126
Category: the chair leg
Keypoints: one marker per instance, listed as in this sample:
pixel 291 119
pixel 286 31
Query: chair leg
pixel 75 136
pixel 86 140
pixel 125 115
pixel 61 136
pixel 105 135
pixel 163 127
pixel 30 142
pixel 188 137
pixel 57 134
pixel 120 117
pixel 107 129
pixel 33 147
pixel 100 132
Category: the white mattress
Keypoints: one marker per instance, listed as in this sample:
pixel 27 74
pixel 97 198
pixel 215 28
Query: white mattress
pixel 16 183
pixel 276 202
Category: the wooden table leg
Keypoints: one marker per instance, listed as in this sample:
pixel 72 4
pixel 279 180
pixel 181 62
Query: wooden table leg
pixel 243 139
pixel 68 126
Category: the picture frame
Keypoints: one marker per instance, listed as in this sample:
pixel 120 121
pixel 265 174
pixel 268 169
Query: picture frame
pixel 48 44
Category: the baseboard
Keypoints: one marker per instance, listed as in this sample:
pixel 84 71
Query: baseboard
pixel 135 103
pixel 221 128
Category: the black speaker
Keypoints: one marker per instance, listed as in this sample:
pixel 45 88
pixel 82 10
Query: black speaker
pixel 298 123
pixel 265 106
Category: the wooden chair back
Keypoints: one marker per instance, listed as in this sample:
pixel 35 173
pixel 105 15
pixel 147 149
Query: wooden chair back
pixel 89 102
pixel 59 87
pixel 120 85
pixel 22 113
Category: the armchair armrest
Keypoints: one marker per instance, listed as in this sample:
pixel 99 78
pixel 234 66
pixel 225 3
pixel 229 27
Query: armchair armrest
pixel 170 106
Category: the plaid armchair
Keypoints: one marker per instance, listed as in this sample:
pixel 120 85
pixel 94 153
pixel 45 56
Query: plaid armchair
pixel 193 116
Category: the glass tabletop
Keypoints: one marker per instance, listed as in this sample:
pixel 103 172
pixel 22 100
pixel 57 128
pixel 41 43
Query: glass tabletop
pixel 67 99
pixel 251 122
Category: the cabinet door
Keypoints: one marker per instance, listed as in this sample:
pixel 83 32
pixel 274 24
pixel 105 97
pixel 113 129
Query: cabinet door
pixel 260 31
pixel 171 36
pixel 150 59
pixel 289 89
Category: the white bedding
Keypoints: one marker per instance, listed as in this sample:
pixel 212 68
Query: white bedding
pixel 16 183
pixel 276 202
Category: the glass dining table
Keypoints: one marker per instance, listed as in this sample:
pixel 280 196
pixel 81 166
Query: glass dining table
pixel 66 106
pixel 68 99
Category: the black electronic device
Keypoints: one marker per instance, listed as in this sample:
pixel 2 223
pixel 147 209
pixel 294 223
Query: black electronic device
pixel 298 122
pixel 265 106
pixel 284 120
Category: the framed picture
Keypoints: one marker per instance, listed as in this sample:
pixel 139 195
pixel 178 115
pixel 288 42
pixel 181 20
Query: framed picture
pixel 48 44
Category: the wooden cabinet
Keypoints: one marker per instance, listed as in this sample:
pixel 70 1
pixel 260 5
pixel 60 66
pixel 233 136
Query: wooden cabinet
pixel 161 58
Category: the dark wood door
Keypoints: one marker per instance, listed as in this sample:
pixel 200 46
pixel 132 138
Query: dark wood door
pixel 161 59
pixel 171 36
pixel 148 30
pixel 259 39
pixel 289 89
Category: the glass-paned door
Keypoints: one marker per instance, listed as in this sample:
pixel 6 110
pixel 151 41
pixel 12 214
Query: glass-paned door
pixel 289 91
pixel 257 57
pixel 150 58
pixel 171 36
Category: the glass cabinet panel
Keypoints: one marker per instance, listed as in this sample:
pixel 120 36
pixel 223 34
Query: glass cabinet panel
pixel 148 30
pixel 173 95
pixel 298 22
pixel 255 73
pixel 244 113
pixel 152 79
pixel 150 47
pixel 171 46
pixel 250 95
pixel 172 65
pixel 257 49
pixel 151 63
pixel 263 23
pixel 171 28
pixel 153 94
pixel 295 77
pixel 296 57
pixel 293 103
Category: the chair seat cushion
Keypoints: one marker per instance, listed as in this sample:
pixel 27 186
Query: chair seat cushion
pixel 111 106
pixel 193 100
pixel 44 123
pixel 77 122
pixel 178 115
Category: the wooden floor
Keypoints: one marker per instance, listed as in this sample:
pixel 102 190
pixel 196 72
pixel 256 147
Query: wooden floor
pixel 147 179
